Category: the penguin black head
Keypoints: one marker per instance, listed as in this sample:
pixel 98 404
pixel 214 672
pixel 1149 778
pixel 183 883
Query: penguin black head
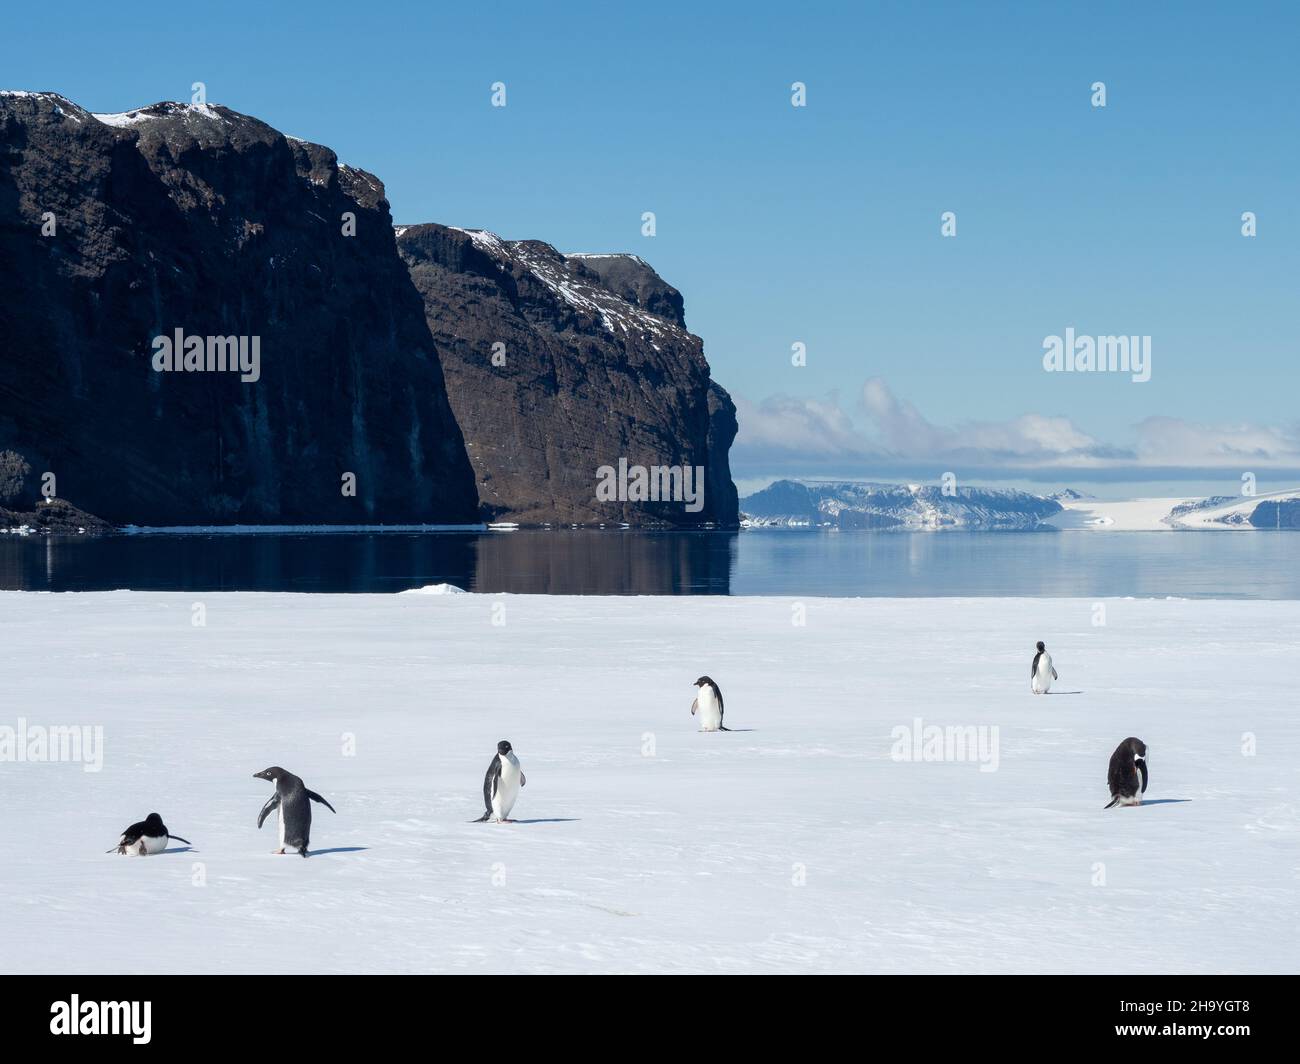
pixel 702 681
pixel 1138 747
pixel 273 773
pixel 504 747
pixel 151 822
pixel 1041 647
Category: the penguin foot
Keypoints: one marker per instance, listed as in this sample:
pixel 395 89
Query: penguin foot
pixel 278 853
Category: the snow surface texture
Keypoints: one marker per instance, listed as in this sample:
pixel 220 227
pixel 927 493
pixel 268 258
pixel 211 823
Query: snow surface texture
pixel 685 860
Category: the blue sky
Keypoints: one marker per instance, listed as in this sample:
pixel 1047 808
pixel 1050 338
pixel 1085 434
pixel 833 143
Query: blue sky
pixel 821 224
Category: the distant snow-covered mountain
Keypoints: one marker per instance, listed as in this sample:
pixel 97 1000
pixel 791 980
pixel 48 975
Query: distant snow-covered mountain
pixel 904 507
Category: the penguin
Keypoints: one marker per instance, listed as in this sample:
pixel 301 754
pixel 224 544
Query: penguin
pixel 1041 672
pixel 1127 774
pixel 148 836
pixel 708 703
pixel 294 802
pixel 501 785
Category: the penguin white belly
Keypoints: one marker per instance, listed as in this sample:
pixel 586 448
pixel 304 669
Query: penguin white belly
pixel 143 846
pixel 281 815
pixel 710 712
pixel 507 787
pixel 1043 676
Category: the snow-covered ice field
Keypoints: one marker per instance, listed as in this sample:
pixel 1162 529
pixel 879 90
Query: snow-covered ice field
pixel 800 844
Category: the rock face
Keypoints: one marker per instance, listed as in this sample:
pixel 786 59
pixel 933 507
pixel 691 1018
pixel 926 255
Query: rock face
pixel 1282 513
pixel 594 365
pixel 198 218
pixel 897 506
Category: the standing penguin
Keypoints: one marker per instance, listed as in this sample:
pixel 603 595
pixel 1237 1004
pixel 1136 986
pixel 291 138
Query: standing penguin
pixel 148 836
pixel 501 785
pixel 708 703
pixel 1127 774
pixel 294 802
pixel 1041 673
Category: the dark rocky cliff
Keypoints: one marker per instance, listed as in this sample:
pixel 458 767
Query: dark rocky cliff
pixel 202 219
pixel 199 219
pixel 596 365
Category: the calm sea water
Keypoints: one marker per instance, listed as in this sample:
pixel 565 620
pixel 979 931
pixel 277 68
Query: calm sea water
pixel 761 562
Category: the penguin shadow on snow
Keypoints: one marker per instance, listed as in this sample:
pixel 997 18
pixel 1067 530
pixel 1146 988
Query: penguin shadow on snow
pixel 545 820
pixel 1156 801
pixel 333 849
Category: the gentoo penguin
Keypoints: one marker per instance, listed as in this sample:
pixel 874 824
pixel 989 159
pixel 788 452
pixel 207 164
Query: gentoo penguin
pixel 501 785
pixel 1041 673
pixel 1127 775
pixel 294 802
pixel 148 836
pixel 708 703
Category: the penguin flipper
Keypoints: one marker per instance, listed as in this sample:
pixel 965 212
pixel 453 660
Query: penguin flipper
pixel 177 838
pixel 1054 676
pixel 490 783
pixel 317 798
pixel 694 706
pixel 268 809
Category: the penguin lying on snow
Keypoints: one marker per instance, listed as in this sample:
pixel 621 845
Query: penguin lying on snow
pixel 1127 775
pixel 148 836
pixel 1041 672
pixel 708 703
pixel 294 802
pixel 501 785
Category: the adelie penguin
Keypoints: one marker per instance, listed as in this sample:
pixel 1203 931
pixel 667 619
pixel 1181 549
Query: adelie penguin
pixel 708 704
pixel 148 836
pixel 1127 774
pixel 501 785
pixel 1041 672
pixel 293 799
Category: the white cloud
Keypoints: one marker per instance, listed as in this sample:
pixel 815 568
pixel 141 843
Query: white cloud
pixel 783 433
pixel 908 434
pixel 811 429
pixel 1168 441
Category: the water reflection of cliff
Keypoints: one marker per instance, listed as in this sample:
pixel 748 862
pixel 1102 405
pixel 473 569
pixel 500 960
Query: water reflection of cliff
pixel 606 563
pixel 567 562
